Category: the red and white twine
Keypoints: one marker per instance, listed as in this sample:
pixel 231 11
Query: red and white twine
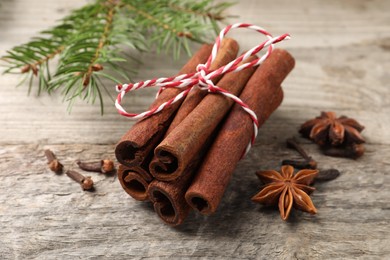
pixel 202 78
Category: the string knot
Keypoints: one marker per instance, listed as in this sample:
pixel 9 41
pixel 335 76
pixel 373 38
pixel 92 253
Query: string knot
pixel 203 77
pixel 204 81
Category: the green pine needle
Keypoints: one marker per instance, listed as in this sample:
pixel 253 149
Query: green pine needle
pixel 87 44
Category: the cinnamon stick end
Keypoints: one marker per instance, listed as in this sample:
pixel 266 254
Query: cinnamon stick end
pixel 198 203
pixel 170 210
pixel 164 166
pixel 133 183
pixel 126 153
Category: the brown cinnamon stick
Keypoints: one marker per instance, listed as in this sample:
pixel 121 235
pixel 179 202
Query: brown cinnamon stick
pixel 135 181
pixel 144 136
pixel 179 148
pixel 263 95
pixel 139 141
pixel 196 95
pixel 168 199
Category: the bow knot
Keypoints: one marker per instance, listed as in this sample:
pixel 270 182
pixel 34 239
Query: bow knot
pixel 204 81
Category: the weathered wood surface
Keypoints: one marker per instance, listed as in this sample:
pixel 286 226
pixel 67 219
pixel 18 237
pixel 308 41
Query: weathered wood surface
pixel 342 51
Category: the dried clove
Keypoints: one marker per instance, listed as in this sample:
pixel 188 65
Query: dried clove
pixel 352 151
pixel 307 163
pixel 327 175
pixel 85 182
pixel 53 163
pixel 103 166
pixel 301 164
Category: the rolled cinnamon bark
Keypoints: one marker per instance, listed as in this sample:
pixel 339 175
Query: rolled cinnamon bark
pixel 179 148
pixel 144 136
pixel 135 181
pixel 168 199
pixel 263 95
pixel 196 95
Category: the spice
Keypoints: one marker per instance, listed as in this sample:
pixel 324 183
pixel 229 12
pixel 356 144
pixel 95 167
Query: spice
pixel 142 138
pixel 53 163
pixel 230 47
pixel 287 190
pixel 146 134
pixel 327 175
pixel 135 181
pixel 85 182
pixel 102 166
pixel 178 149
pixel 352 151
pixel 263 95
pixel 168 199
pixel 327 129
pixel 307 163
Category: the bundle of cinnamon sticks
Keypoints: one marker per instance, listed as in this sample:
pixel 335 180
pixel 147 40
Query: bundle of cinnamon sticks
pixel 182 158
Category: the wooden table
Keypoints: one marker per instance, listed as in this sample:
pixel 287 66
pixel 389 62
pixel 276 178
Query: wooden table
pixel 342 52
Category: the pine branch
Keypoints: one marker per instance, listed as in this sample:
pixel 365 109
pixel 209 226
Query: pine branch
pixel 89 42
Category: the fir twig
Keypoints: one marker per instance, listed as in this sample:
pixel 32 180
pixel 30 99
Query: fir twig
pixel 88 43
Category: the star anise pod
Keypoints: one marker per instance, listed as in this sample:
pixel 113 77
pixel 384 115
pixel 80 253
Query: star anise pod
pixel 327 129
pixel 287 190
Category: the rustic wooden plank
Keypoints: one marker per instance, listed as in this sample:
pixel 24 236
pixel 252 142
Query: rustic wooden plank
pixel 342 50
pixel 45 214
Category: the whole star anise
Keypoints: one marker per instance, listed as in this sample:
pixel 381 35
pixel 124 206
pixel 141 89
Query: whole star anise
pixel 327 129
pixel 287 190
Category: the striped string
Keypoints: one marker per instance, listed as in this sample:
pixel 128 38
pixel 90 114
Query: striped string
pixel 202 78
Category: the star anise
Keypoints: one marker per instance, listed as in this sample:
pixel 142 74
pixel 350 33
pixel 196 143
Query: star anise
pixel 327 129
pixel 287 190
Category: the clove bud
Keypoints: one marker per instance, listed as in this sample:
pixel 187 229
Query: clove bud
pixel 301 164
pixel 85 182
pixel 307 163
pixel 327 175
pixel 53 163
pixel 102 166
pixel 353 151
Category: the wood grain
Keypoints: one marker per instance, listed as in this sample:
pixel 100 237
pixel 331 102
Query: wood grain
pixel 342 52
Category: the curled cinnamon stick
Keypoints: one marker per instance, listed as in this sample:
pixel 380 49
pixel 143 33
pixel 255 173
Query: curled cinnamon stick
pixel 263 95
pixel 168 199
pixel 144 136
pixel 180 147
pixel 229 49
pixel 135 181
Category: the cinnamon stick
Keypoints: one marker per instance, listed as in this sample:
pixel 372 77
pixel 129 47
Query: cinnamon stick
pixel 263 95
pixel 135 181
pixel 196 95
pixel 144 136
pixel 139 141
pixel 178 148
pixel 168 199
